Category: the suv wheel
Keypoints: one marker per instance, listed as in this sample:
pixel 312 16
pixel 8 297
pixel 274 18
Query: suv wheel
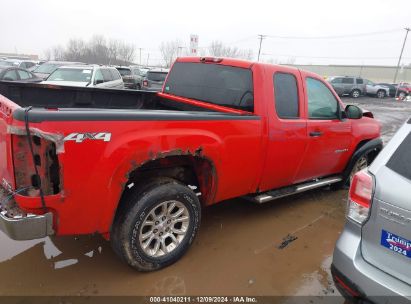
pixel 156 225
pixel 381 94
pixel 355 93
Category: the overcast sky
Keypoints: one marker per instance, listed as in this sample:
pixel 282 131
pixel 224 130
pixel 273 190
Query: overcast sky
pixel 33 26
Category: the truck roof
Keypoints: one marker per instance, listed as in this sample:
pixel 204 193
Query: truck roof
pixel 230 61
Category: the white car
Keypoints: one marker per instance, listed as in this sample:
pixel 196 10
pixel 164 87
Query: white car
pixel 86 76
pixel 376 90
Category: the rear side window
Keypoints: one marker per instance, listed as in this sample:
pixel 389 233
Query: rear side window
pixel 286 95
pixel 400 161
pixel 360 81
pixel 107 75
pixel 348 80
pixel 217 84
pixel 115 75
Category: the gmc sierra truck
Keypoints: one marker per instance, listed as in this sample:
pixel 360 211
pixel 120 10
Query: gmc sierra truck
pixel 138 167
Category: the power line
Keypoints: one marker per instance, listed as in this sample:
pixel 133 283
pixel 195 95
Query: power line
pixel 407 29
pixel 336 36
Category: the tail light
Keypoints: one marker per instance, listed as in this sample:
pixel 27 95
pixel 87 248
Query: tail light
pixel 145 83
pixel 359 199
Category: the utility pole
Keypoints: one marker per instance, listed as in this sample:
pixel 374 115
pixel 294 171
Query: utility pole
pixel 179 50
pixel 261 37
pixel 402 50
pixel 140 55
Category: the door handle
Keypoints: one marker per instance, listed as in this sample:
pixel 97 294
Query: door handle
pixel 316 134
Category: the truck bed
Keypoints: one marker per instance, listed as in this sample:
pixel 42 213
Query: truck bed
pixel 59 97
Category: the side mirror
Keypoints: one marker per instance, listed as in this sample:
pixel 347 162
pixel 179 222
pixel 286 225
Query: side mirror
pixel 353 112
pixel 98 81
pixel 8 79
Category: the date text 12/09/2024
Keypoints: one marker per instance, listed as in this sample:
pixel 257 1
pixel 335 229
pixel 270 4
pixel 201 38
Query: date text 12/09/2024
pixel 205 299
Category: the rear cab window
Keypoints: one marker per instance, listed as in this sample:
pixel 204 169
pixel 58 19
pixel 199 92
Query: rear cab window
pixel 212 83
pixel 286 96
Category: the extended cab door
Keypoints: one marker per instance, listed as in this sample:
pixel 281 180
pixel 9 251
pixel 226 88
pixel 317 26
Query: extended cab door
pixel 287 127
pixel 328 136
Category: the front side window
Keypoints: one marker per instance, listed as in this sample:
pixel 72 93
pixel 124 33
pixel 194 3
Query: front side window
pixel 98 77
pixel 23 74
pixel 321 101
pixel 336 80
pixel 286 96
pixel 212 83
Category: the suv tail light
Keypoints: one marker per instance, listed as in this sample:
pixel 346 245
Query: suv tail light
pixel 359 199
pixel 145 83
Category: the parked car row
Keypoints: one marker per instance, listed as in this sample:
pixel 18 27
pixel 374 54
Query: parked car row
pixel 83 75
pixel 357 86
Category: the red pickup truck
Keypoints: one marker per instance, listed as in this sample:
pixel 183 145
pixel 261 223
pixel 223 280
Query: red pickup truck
pixel 137 167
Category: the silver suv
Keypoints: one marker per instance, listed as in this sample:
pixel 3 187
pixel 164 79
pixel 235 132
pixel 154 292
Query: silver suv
pixel 98 76
pixel 347 85
pixel 372 258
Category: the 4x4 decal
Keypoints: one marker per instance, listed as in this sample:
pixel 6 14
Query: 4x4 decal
pixel 80 137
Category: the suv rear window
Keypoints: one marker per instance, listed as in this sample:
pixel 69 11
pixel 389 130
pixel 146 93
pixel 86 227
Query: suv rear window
pixel 400 161
pixel 156 76
pixel 217 84
pixel 124 72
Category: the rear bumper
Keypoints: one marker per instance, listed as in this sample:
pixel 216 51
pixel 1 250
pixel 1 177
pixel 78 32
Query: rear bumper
pixel 353 275
pixel 27 228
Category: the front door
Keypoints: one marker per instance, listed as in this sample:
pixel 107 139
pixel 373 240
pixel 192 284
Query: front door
pixel 328 136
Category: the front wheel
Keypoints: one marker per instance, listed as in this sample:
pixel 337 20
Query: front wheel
pixel 355 93
pixel 157 227
pixel 360 163
pixel 381 94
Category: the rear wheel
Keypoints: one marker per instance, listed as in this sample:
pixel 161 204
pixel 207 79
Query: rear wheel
pixel 355 93
pixel 401 95
pixel 381 94
pixel 156 226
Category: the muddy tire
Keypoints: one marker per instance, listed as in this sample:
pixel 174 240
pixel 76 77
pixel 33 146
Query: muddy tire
pixel 156 225
pixel 381 94
pixel 362 162
pixel 355 93
pixel 402 95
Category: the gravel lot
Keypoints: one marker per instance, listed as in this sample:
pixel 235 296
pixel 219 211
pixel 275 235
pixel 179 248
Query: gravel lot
pixel 237 251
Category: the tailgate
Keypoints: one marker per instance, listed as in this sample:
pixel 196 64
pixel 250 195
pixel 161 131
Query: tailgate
pixel 6 162
pixel 386 237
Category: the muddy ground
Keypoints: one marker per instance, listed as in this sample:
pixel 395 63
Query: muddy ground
pixel 237 251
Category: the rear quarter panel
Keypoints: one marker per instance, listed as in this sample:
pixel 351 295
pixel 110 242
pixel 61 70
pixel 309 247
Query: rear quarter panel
pixel 94 172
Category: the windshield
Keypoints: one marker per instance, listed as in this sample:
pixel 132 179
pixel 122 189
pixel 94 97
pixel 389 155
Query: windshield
pixel 6 63
pixel 124 72
pixel 156 76
pixel 77 75
pixel 47 68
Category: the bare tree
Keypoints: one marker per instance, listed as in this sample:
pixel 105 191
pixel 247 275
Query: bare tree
pixel 218 49
pixel 96 50
pixel 169 51
pixel 58 52
pixel 47 54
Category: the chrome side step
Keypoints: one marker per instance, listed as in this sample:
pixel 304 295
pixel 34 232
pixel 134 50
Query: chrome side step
pixel 286 191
